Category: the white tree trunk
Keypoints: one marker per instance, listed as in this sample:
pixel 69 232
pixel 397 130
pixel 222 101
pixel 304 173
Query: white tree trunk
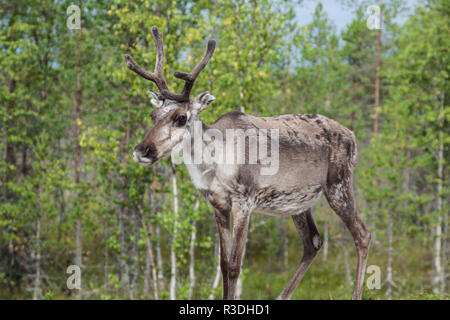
pixel 123 266
pixel 445 253
pixel 173 273
pixel 37 276
pixel 173 255
pixel 78 255
pixel 159 260
pixel 134 272
pixel 439 275
pixel 240 281
pixel 347 264
pixel 77 160
pixel 286 246
pixel 218 272
pixel 150 266
pixel 192 255
pixel 147 274
pixel 389 278
pixel 192 262
pixel 325 241
pixel 437 278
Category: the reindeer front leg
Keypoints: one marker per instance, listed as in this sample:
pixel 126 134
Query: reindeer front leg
pixel 223 226
pixel 241 218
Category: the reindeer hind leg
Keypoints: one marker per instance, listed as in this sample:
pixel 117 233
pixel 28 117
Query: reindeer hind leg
pixel 311 245
pixel 339 194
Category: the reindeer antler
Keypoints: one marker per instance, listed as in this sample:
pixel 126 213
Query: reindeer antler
pixel 157 76
pixel 190 77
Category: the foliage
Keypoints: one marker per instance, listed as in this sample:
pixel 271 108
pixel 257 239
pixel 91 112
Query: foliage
pixel 266 63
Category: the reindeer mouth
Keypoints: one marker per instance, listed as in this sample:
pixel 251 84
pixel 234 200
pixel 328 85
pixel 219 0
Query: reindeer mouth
pixel 142 160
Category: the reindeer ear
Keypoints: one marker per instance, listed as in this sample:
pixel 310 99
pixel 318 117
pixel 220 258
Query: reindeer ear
pixel 156 102
pixel 202 101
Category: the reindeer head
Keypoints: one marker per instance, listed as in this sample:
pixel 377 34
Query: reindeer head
pixel 173 112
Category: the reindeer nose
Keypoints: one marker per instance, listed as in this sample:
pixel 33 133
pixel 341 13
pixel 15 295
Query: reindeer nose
pixel 139 148
pixel 145 150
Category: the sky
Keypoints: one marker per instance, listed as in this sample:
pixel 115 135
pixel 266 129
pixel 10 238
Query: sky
pixel 337 13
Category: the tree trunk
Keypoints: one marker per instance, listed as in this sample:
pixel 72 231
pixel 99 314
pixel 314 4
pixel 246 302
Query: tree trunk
pixel 151 230
pixel 10 157
pixel 37 277
pixel 325 241
pixel 147 272
pixel 159 260
pixel 78 253
pixel 134 272
pixel 287 88
pixel 286 245
pixel 240 281
pixel 218 272
pixel 445 254
pixel 192 256
pixel 389 279
pixel 347 264
pixel 10 172
pixel 105 267
pixel 173 255
pixel 150 262
pixel 77 160
pixel 280 231
pixel 125 222
pixel 124 272
pixel 439 277
pixel 192 261
pixel 377 78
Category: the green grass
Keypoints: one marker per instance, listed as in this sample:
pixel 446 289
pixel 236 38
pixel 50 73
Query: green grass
pixel 412 272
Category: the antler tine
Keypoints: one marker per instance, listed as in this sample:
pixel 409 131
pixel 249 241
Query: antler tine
pixel 190 77
pixel 156 76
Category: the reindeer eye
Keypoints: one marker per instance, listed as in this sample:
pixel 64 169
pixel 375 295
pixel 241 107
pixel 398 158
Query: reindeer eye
pixel 181 120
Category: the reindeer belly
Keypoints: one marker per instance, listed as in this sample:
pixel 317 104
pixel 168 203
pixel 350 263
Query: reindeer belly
pixel 287 202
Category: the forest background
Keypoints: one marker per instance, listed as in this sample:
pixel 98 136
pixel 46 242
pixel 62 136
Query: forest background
pixel 71 114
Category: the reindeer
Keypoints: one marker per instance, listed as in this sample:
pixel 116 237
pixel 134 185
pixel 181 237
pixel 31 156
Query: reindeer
pixel 316 156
